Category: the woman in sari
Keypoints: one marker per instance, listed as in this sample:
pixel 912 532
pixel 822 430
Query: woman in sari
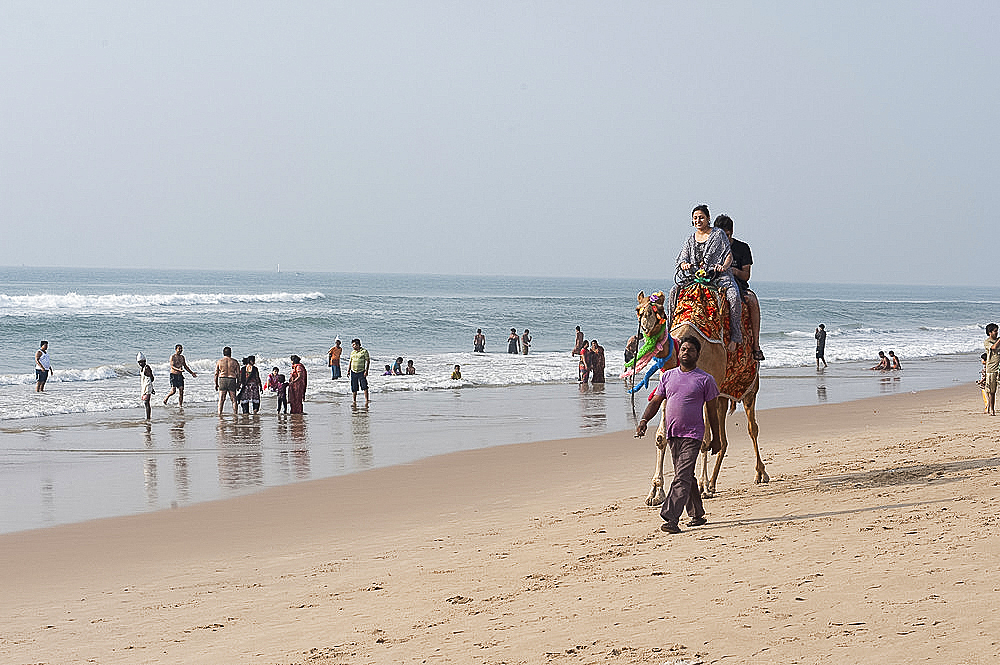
pixel 708 249
pixel 296 385
pixel 250 385
pixel 596 362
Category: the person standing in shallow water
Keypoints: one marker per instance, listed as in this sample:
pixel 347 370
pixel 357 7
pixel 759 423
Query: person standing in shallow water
pixel 296 385
pixel 821 345
pixel 177 366
pixel 596 362
pixel 43 366
pixel 479 342
pixel 580 341
pixel 334 359
pixel 513 342
pixel 525 342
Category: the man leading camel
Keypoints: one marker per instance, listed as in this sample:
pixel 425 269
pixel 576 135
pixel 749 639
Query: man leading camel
pixel 687 390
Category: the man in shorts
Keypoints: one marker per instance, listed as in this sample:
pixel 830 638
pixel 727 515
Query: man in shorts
pixel 227 372
pixel 43 366
pixel 360 362
pixel 177 367
pixel 992 345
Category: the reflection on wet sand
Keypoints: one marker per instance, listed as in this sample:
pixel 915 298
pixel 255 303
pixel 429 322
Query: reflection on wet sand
pixel 240 460
pixel 293 443
pixel 364 456
pixel 149 473
pixel 820 386
pixel 888 384
pixel 182 475
pixel 593 407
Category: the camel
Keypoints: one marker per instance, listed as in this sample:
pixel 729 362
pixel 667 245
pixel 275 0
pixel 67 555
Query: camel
pixel 713 359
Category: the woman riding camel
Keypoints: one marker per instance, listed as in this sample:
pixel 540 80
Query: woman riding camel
pixel 707 249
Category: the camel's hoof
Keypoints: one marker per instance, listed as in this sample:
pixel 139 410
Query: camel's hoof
pixel 656 499
pixel 708 494
pixel 763 478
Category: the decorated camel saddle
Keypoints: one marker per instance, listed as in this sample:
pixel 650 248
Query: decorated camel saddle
pixel 705 308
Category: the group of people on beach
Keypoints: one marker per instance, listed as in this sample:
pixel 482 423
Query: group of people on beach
pixel 397 368
pixel 887 362
pixel 591 359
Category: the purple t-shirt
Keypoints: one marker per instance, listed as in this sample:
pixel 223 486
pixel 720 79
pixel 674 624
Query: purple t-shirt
pixel 686 394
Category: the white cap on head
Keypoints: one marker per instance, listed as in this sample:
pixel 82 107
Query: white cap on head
pixel 139 357
pixel 337 340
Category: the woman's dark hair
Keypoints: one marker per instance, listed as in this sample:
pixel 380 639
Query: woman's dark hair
pixel 725 223
pixel 295 359
pixel 703 208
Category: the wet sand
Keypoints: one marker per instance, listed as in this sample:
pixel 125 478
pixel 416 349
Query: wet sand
pixel 875 541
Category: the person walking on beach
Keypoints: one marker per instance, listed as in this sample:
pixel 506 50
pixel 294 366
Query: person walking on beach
pixel 43 366
pixel 359 364
pixel 297 385
pixel 687 390
pixel 479 342
pixel 992 345
pixel 334 358
pixel 894 361
pixel 513 342
pixel 177 367
pixel 525 342
pixel 145 383
pixel 579 342
pixel 227 373
pixel 820 345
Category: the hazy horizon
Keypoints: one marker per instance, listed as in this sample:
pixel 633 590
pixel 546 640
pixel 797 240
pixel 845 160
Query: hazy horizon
pixel 848 141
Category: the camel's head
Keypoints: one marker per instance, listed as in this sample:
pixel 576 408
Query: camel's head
pixel 651 313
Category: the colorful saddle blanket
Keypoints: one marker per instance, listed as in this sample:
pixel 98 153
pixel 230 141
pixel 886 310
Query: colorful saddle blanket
pixel 705 308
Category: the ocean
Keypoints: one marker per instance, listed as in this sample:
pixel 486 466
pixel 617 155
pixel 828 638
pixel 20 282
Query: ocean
pixel 59 448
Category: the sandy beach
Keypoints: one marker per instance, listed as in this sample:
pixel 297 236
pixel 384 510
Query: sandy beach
pixel 875 541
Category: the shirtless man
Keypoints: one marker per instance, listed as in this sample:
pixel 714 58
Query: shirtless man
pixel 227 372
pixel 177 367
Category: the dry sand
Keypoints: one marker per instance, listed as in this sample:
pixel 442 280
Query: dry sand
pixel 875 542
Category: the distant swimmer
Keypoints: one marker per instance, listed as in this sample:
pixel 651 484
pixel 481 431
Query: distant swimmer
pixel 410 369
pixel 479 342
pixel 525 341
pixel 177 367
pixel 894 361
pixel 457 374
pixel 43 366
pixel 579 342
pixel 227 373
pixel 146 391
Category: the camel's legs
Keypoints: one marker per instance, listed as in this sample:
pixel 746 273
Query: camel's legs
pixel 749 404
pixel 656 494
pixel 708 489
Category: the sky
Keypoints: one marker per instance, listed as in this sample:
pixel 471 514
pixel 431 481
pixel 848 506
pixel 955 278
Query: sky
pixel 849 141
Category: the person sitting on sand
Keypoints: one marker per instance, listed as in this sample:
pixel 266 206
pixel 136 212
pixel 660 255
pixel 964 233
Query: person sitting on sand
pixel 457 374
pixel 894 361
pixel 883 362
